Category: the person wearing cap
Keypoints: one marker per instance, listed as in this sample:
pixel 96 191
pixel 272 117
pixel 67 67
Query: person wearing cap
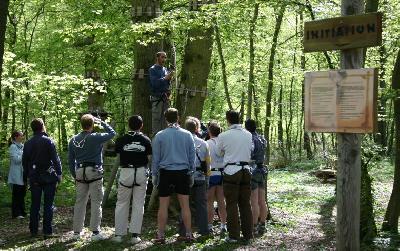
pixel 235 145
pixel 85 156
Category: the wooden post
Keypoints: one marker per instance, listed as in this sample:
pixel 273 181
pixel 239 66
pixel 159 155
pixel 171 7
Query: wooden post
pixel 349 159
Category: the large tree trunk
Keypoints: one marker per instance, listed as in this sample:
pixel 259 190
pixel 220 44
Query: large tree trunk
pixel 367 220
pixel 250 86
pixel 271 80
pixel 391 220
pixel 95 98
pixel 3 25
pixel 196 67
pixel 349 160
pixel 144 58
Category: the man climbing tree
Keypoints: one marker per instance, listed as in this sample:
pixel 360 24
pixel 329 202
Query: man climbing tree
pixel 160 80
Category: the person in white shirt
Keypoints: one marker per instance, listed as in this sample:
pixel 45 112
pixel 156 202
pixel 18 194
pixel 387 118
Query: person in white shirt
pixel 235 145
pixel 215 189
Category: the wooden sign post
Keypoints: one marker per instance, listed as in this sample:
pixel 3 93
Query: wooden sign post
pixel 341 113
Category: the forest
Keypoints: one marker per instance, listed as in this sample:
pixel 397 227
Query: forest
pixel 61 59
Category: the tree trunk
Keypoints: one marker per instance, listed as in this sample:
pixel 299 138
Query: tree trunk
pixel 368 229
pixel 196 67
pixel 367 220
pixel 390 132
pixel 223 66
pixel 242 104
pixel 280 123
pixel 144 58
pixel 382 123
pixel 289 123
pixel 13 111
pixel 271 80
pixel 64 136
pixel 349 161
pixel 391 220
pixel 95 98
pixel 250 86
pixel 3 25
pixel 306 136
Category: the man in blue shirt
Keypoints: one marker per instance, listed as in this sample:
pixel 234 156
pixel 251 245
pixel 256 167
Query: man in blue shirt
pixel 43 168
pixel 160 80
pixel 86 166
pixel 172 169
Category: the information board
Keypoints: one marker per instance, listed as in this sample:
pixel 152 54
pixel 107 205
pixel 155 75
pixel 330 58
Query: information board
pixel 341 101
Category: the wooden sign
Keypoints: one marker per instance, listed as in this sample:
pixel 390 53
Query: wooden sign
pixel 341 101
pixel 343 32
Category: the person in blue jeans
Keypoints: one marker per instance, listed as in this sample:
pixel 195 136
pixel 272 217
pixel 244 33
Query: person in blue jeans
pixel 42 167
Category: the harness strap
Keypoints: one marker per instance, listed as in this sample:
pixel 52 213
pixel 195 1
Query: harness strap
pixel 240 163
pixel 89 181
pixel 134 178
pixel 84 165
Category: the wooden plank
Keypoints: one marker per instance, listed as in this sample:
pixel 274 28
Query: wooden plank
pixel 345 32
pixel 341 101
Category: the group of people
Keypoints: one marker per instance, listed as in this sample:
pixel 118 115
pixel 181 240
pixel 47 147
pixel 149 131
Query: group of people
pixel 227 167
pixel 200 168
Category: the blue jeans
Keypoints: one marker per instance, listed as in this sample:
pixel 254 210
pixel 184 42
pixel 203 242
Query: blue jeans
pixel 49 191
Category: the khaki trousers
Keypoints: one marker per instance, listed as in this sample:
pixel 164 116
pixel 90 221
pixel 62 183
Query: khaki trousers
pixel 138 194
pixel 158 108
pixel 237 194
pixel 95 191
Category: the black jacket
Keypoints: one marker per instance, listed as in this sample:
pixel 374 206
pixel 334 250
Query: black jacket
pixel 39 155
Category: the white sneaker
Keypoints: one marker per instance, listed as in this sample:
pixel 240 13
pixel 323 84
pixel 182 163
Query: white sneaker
pixel 135 240
pixel 98 237
pixel 117 239
pixel 20 217
pixel 76 236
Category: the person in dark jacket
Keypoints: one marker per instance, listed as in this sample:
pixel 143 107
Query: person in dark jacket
pixel 42 167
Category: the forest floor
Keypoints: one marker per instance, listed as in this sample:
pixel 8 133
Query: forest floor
pixel 302 206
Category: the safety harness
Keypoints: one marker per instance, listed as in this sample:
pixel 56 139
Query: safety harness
pixel 242 164
pixel 134 176
pixel 88 164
